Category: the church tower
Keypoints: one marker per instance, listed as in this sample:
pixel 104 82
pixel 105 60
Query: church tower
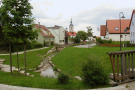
pixel 71 27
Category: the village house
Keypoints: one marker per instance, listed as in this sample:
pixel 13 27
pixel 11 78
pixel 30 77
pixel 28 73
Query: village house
pixel 112 30
pixel 59 33
pixel 132 28
pixel 44 36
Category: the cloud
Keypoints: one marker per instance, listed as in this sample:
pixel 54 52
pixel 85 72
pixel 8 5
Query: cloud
pixel 92 17
pixel 48 3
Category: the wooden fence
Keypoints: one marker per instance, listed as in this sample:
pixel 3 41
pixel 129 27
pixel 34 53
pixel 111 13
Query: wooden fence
pixel 123 66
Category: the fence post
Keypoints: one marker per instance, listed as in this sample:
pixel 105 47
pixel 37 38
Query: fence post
pixel 123 67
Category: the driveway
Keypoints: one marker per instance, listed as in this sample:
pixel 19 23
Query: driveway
pixel 86 46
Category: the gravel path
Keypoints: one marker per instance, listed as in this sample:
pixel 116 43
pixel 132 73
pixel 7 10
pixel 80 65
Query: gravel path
pixel 86 46
pixel 127 86
pixel 26 51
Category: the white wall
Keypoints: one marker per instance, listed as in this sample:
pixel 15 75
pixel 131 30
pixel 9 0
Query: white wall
pixel 59 35
pixel 116 37
pixel 132 30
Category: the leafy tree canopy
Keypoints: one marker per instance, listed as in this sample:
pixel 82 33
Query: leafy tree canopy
pixel 89 30
pixel 82 35
pixel 16 19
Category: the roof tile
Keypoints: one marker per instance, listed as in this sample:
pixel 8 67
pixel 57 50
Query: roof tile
pixel 43 28
pixel 112 24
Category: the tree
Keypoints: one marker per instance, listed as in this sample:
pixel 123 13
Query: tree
pixel 82 35
pixel 16 18
pixel 77 39
pixel 89 30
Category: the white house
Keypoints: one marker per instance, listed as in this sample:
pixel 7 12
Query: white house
pixel 59 33
pixel 112 30
pixel 132 28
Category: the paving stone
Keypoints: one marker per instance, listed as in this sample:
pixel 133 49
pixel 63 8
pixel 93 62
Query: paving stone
pixel 39 66
pixel 58 70
pixel 22 72
pixel 32 75
pixel 78 77
pixel 2 60
pixel 27 74
pixel 37 71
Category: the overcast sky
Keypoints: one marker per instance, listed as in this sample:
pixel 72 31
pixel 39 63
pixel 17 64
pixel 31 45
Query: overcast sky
pixel 83 12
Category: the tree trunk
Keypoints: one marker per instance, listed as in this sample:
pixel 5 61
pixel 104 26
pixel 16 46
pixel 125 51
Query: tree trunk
pixel 10 58
pixel 17 58
pixel 25 58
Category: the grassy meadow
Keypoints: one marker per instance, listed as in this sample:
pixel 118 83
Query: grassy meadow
pixel 71 58
pixel 69 61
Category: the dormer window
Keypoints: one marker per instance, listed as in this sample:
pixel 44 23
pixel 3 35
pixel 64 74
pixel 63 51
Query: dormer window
pixel 116 28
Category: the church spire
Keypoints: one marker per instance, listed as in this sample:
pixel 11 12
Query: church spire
pixel 71 21
pixel 71 26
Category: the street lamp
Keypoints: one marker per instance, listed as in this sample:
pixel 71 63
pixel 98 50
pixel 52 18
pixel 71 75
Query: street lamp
pixel 125 36
pixel 120 26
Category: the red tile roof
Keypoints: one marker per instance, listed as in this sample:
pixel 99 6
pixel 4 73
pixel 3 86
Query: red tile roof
pixel 43 28
pixel 102 30
pixel 71 33
pixel 131 18
pixel 112 24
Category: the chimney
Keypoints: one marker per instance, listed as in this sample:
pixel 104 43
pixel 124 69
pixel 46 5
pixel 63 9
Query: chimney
pixel 38 23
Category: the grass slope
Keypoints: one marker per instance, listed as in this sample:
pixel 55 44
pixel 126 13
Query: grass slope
pixel 32 59
pixel 71 58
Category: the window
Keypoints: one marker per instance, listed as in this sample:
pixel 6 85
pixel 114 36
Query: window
pixel 116 28
pixel 121 36
pixel 36 39
pixel 131 34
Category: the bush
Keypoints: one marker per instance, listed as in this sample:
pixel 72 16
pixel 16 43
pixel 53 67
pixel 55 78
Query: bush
pixel 36 45
pixel 101 41
pixel 46 43
pixel 63 78
pixel 93 73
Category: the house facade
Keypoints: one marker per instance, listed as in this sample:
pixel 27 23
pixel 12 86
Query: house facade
pixel 132 28
pixel 112 30
pixel 44 36
pixel 59 33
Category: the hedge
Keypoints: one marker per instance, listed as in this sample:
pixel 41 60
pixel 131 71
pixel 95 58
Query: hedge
pixel 111 45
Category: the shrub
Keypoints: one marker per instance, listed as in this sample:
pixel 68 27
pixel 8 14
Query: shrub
pixel 94 36
pixel 36 45
pixel 93 73
pixel 63 78
pixel 46 43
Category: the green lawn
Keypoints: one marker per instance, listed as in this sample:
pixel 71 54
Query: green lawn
pixel 32 59
pixel 71 58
